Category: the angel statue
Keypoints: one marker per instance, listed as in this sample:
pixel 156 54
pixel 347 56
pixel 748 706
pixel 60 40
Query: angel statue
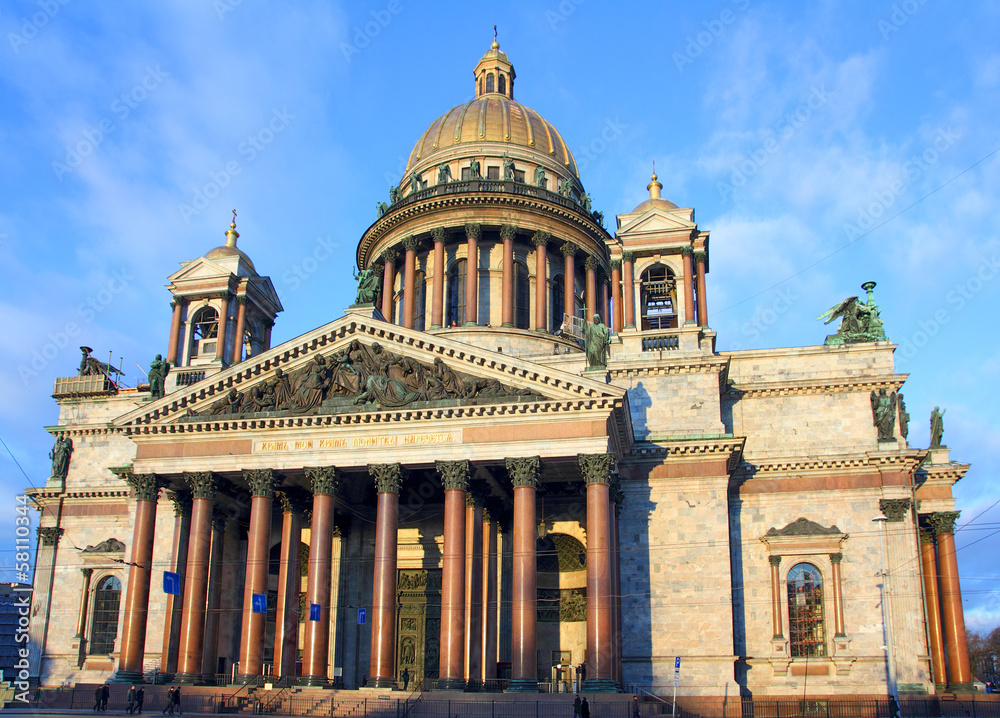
pixel 367 286
pixel 884 413
pixel 859 321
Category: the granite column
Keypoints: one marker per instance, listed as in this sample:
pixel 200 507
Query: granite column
pixel 455 477
pixel 524 660
pixel 388 480
pixel 315 656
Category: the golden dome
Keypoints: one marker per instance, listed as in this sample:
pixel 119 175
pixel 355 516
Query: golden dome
pixel 229 249
pixel 493 117
pixel 655 200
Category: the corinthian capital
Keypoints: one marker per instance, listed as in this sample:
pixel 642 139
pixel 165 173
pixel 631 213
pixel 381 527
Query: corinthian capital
pixel 388 477
pixel 596 468
pixel 323 479
pixel 202 483
pixel 524 471
pixel 454 474
pixel 261 482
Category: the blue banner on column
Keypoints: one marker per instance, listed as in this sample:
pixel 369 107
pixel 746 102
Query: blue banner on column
pixel 172 583
pixel 361 616
pixel 259 603
pixel 313 611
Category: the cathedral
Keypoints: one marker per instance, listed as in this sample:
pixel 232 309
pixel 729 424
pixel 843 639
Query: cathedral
pixel 517 462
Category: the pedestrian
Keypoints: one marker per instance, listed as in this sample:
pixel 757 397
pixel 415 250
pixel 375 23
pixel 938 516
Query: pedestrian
pixel 98 695
pixel 636 713
pixel 130 700
pixel 364 680
pixel 105 696
pixel 170 702
pixel 576 706
pixel 177 700
pixel 406 678
pixel 585 709
pixel 140 696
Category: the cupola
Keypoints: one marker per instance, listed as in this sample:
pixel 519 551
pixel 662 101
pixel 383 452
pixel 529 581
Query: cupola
pixel 495 73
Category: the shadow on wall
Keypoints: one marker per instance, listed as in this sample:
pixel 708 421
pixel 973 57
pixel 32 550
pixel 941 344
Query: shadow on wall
pixel 741 667
pixel 638 401
pixel 634 563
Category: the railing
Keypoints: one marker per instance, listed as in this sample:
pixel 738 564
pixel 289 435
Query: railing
pixel 186 378
pixel 661 343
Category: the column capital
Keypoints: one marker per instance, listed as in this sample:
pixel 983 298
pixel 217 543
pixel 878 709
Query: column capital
pixel 508 231
pixel 177 302
pixel 836 558
pixel 389 256
pixel 261 482
pixel 454 474
pixel 242 299
pixel 686 252
pixel 473 230
pixel 596 468
pixel 439 234
pixel 943 522
pixel 894 509
pixel 926 535
pixel 700 256
pixel 524 471
pixel 774 560
pixel 87 572
pixel 49 535
pixel 616 264
pixel 540 238
pixel 569 249
pixel 591 262
pixel 388 477
pixel 182 502
pixel 202 483
pixel 145 486
pixel 323 479
pixel 289 504
pixel 411 243
pixel 628 255
pixel 378 267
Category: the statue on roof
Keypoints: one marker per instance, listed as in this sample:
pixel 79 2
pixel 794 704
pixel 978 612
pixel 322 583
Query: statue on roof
pixel 382 208
pixel 368 284
pixel 416 181
pixel 89 366
pixel 474 172
pixel 158 370
pixel 60 455
pixel 884 413
pixel 596 340
pixel 540 180
pixel 508 168
pixel 585 201
pixel 859 322
pixel 393 194
pixel 937 427
pixel 444 173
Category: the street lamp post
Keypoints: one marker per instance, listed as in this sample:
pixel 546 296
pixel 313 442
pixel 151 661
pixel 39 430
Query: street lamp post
pixel 885 593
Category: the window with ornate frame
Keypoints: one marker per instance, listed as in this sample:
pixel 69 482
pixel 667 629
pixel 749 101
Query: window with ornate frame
pixel 806 624
pixel 104 622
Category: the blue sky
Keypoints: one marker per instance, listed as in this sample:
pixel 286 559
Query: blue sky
pixel 823 144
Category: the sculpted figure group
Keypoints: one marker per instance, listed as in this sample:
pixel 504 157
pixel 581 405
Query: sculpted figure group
pixel 359 374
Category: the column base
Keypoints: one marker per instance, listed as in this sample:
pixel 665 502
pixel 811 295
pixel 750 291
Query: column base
pixel 961 688
pixel 599 685
pixel 522 685
pixel 313 681
pixel 191 679
pixel 507 325
pixel 473 687
pixel 471 324
pixel 127 677
pixel 389 683
pixel 451 684
pixel 435 326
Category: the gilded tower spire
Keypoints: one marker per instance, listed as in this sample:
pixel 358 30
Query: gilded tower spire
pixel 654 186
pixel 494 73
pixel 231 234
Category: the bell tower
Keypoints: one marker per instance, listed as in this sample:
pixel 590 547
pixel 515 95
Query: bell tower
pixel 223 312
pixel 494 73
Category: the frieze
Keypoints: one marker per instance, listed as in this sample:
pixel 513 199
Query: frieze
pixel 359 375
pixel 357 442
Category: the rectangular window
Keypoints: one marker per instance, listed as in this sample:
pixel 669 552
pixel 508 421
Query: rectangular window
pixel 466 173
pixel 519 176
pixel 493 173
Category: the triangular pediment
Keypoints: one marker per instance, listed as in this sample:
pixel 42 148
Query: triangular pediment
pixel 361 365
pixel 655 221
pixel 197 270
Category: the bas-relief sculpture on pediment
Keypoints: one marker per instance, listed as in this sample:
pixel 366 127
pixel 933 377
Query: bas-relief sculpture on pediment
pixel 111 545
pixel 358 377
pixel 803 527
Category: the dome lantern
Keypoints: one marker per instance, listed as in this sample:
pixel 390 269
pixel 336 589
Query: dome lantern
pixel 494 73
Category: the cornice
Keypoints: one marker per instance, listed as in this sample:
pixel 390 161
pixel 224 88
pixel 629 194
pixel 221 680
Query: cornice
pixel 828 386
pixel 949 474
pixel 694 448
pixel 701 364
pixel 502 200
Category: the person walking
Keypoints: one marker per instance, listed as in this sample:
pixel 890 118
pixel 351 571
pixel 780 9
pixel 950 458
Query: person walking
pixel 130 700
pixel 98 695
pixel 406 678
pixel 177 701
pixel 576 707
pixel 140 696
pixel 585 709
pixel 170 702
pixel 636 712
pixel 105 696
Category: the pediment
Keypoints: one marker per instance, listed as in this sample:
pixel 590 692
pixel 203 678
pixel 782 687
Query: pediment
pixel 358 365
pixel 197 270
pixel 654 221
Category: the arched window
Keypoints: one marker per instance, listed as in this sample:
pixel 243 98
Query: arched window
pixel 522 296
pixel 456 294
pixel 104 625
pixel 805 611
pixel 558 301
pixel 561 554
pixel 658 289
pixel 489 82
pixel 420 300
pixel 206 326
pixel 503 85
pixel 480 84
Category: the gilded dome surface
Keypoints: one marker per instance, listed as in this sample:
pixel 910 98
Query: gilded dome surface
pixel 227 251
pixel 493 117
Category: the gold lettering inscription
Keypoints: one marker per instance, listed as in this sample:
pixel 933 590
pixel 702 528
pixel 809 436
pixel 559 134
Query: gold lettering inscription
pixel 356 442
